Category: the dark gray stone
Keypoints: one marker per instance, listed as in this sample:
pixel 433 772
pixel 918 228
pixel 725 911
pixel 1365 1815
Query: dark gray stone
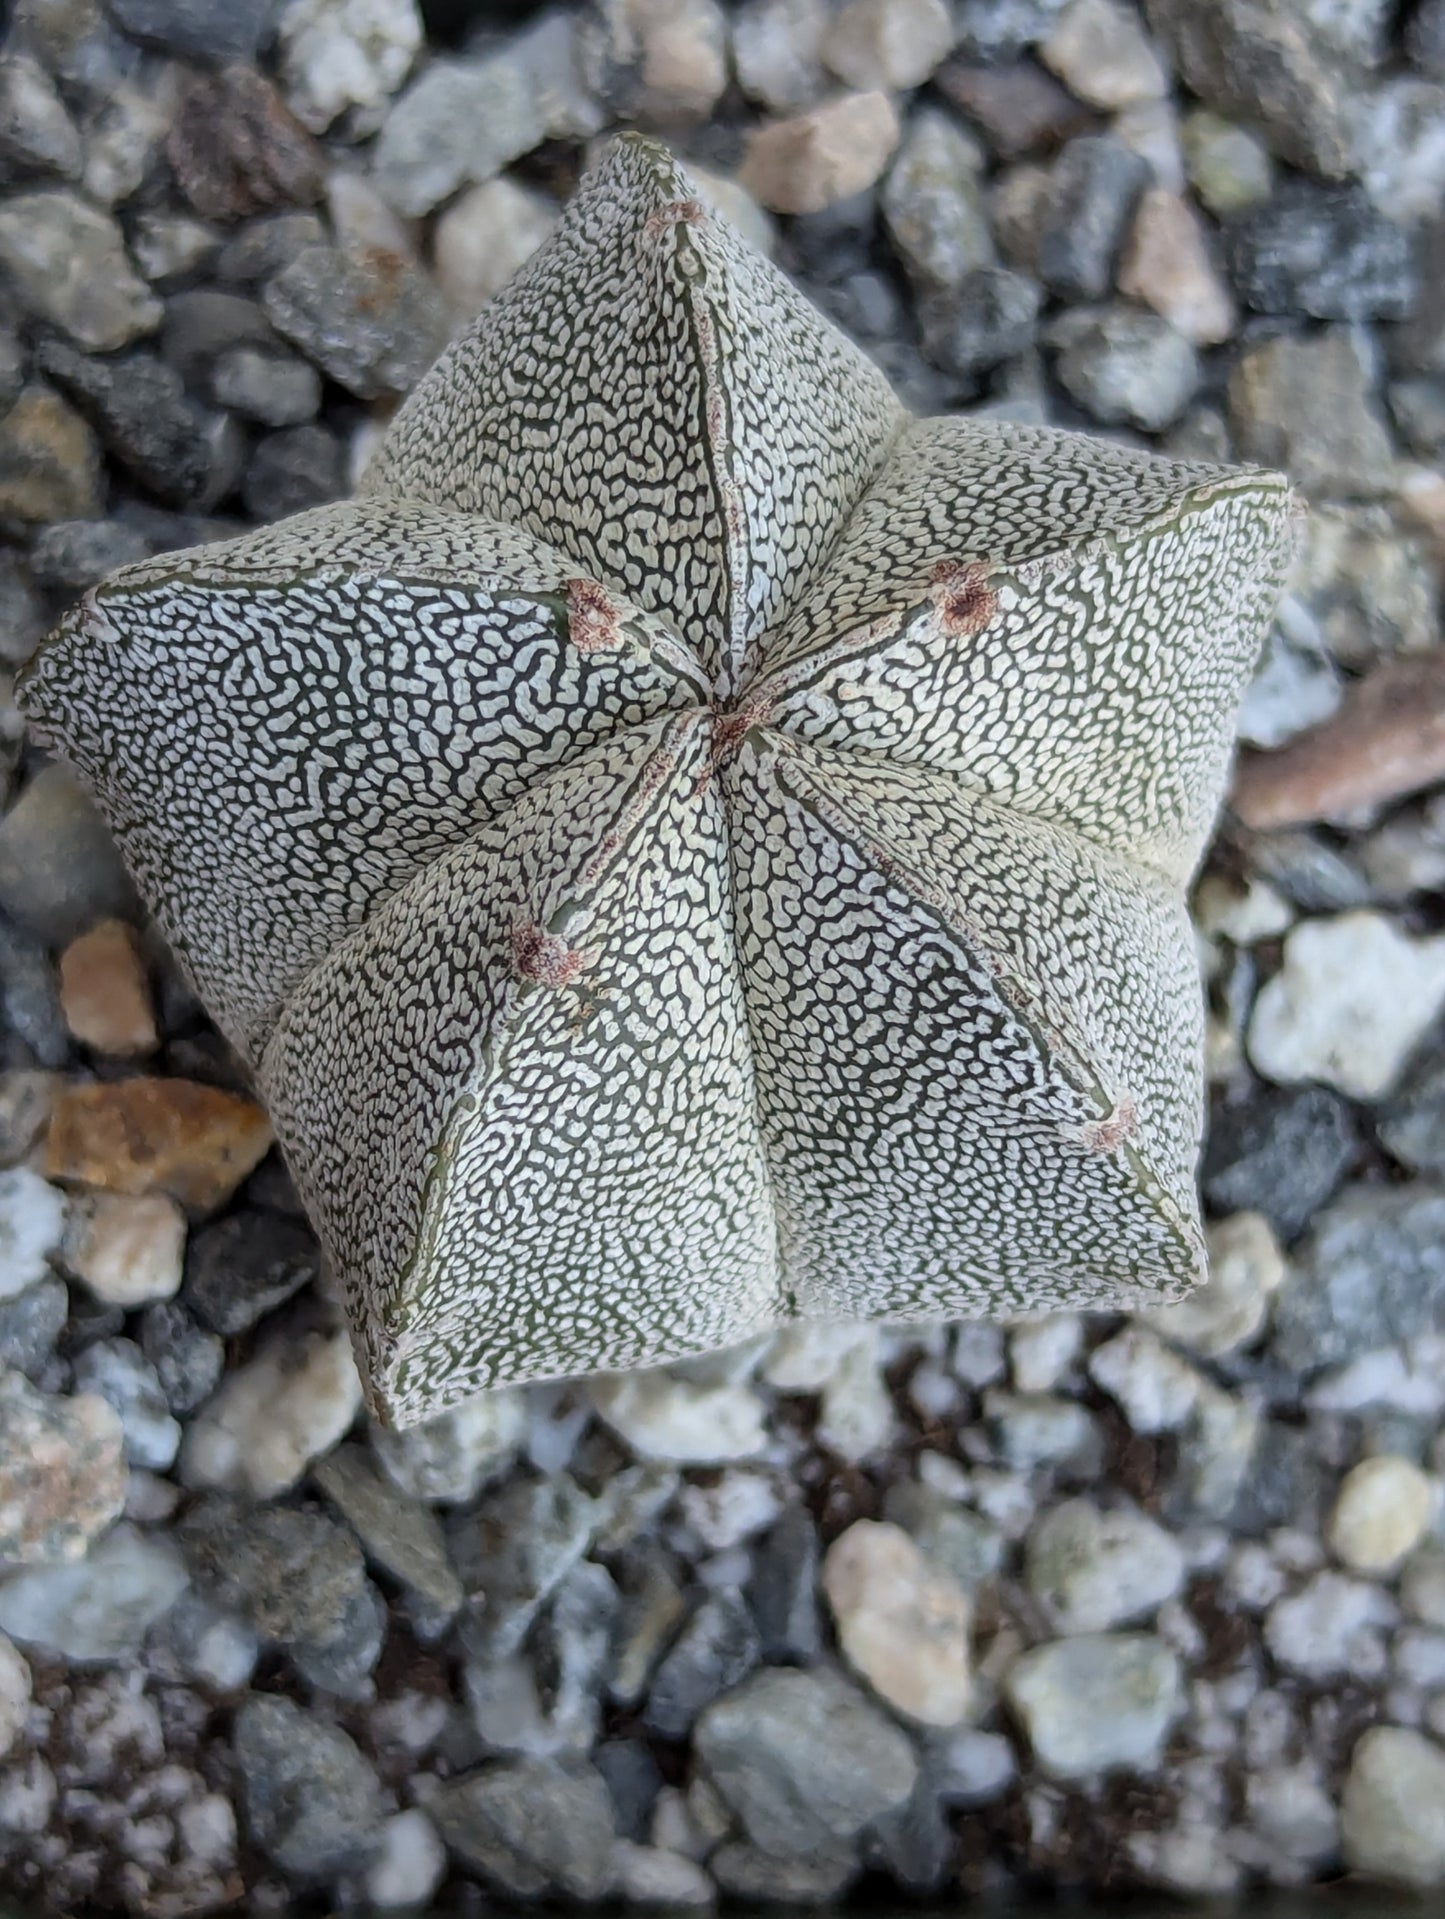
pixel 202 324
pixel 1094 188
pixel 119 1372
pixel 991 317
pixel 1125 367
pixel 12 369
pixel 994 30
pixel 1322 251
pixel 186 455
pixel 1307 869
pixel 916 1845
pixel 752 1877
pixel 196 29
pixel 1411 1124
pixel 59 868
pixel 29 998
pixel 530 1827
pixel 30 1324
pixel 716 1649
pixel 22 616
pixel 1418 409
pixel 188 1360
pixel 293 469
pixel 263 246
pixel 72 555
pixel 1286 1485
pixel 1425 38
pixel 401 1537
pixel 1418 346
pixel 242 1267
pixel 372 322
pixel 1279 1152
pixel 1371 1273
pixel 313 1804
pixel 633 1779
pixel 513 1552
pixel 783 1591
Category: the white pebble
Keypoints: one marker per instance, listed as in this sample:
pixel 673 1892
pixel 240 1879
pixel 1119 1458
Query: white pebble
pixel 1156 1388
pixel 410 1863
pixel 1382 1512
pixel 290 1404
pixel 1393 1808
pixel 32 1224
pixel 903 1623
pixel 663 1417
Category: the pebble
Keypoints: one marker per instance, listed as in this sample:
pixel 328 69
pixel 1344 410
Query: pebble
pixel 244 1266
pixel 285 1407
pixel 313 1803
pixel 409 1865
pixel 32 1225
pixel 1352 1000
pixel 346 56
pixel 195 29
pixel 662 62
pixel 1281 1152
pixel 1092 1569
pixel 188 1361
pixel 404 1539
pixel 1370 1274
pixel 176 1136
pixel 895 44
pixel 370 321
pixel 804 1761
pixel 1229 169
pixel 1042 1352
pixel 1384 741
pixel 783 1589
pixel 1042 1429
pixel 513 1552
pixel 1332 1628
pixel 117 1371
pixel 123 140
pixel 98 1610
pixel 62 1472
pixel 49 465
pixel 72 555
pixel 1125 367
pixel 1094 187
pixel 212 1645
pixel 170 247
pixel 447 1460
pixel 1322 251
pixel 1384 1507
pixel 1307 405
pixel 665 1416
pixel 778 51
pixel 1157 1390
pixel 484 237
pixel 1102 55
pixel 105 991
pixel 933 205
pixel 1400 130
pixel 1096 1703
pixel 1246 1269
pixel 1392 1813
pixel 66 263
pixel 14 1695
pixel 236 148
pixel 1166 264
pixel 811 161
pixel 293 470
pixel 30 1325
pixel 459 124
pixel 649 1877
pixel 37 135
pixel 903 1623
pixel 717 1648
pixel 1411 1126
pixel 1425 38
pixel 967 1546
pixel 531 1826
pixel 274 389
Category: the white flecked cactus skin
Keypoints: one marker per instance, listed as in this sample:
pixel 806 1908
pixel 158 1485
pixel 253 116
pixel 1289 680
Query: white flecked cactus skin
pixel 692 846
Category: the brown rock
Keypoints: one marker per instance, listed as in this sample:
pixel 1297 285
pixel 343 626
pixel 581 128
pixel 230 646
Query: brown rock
pixel 236 148
pixel 49 463
pixel 1019 109
pixel 174 1136
pixel 1385 740
pixel 813 160
pixel 1166 264
pixel 105 991
pixel 62 1472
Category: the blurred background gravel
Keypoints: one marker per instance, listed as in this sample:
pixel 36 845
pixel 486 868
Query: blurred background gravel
pixel 1089 1602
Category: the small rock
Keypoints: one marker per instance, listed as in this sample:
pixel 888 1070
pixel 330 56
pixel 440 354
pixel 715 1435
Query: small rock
pixel 49 463
pixel 856 1419
pixel 1101 54
pixel 1279 1152
pixel 1294 1814
pixel 1400 131
pixel 459 124
pixel 410 1863
pixel 1324 251
pixel 14 1695
pixel 292 471
pixel 1092 1570
pixel 753 1878
pixel 717 1648
pixel 312 1801
pixel 782 1592
pixel 188 1362
pixel 1126 367
pixel 1042 1429
pixel 237 149
pixel 1384 1506
pixel 66 263
pixel 664 1416
pixel 37 135
pixel 813 160
pixel 804 1761
pixel 175 1136
pixel 1371 1274
pixel 895 44
pixel 991 31
pixel 484 237
pixel 1246 1268
pixel 1425 38
pixel 99 1610
pixel 274 1415
pixel 1094 187
pixel 403 1539
pixel 1229 169
pixel 1097 1703
pixel 346 55
pixel 30 1325
pixel 212 1645
pixel 244 1266
pixel 71 555
pixel 933 205
pixel 1042 1351
pixel 370 321
pixel 1352 1000
pixel 1019 109
pixel 170 247
pixel 531 1826
pixel 1166 264
pixel 447 1460
pixel 967 1546
pixel 1412 1125
pixel 274 389
pixel 1392 1813
pixel 971 1768
pixel 1307 405
pixel 123 140
pixel 778 51
pixel 195 29
pixel 105 991
pixel 663 62
pixel 117 1371
pixel 1156 1388
pixel 62 1472
pixel 649 1877
pixel 1331 1629
pixel 32 1224
pixel 903 1623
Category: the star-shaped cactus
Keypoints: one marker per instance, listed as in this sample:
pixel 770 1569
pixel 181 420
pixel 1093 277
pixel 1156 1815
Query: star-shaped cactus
pixel 692 846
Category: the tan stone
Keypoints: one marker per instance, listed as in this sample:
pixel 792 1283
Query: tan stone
pixel 49 463
pixel 174 1136
pixel 903 1623
pixel 105 991
pixel 1381 1513
pixel 127 1248
pixel 1166 264
pixel 808 162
